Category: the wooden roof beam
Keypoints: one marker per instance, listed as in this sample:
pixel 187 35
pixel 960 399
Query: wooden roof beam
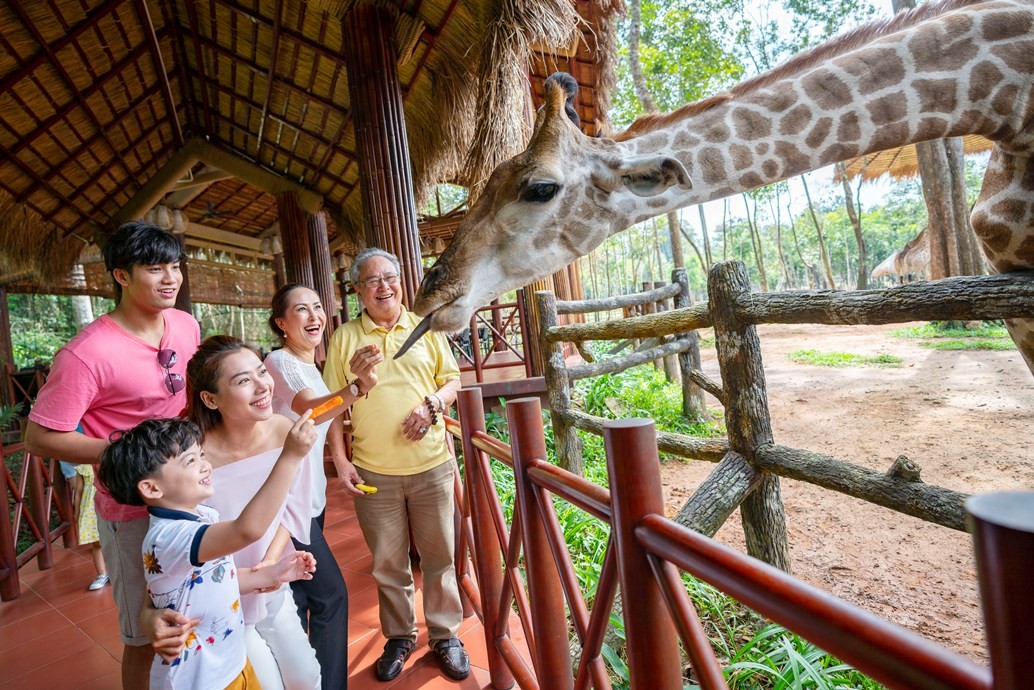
pixel 199 59
pixel 159 65
pixel 196 150
pixel 270 77
pixel 218 236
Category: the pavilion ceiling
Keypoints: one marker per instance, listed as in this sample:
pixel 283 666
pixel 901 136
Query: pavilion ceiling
pixel 98 96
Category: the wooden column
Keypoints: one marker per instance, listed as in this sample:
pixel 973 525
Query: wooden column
pixel 385 178
pixel 294 235
pixel 183 296
pixel 322 271
pixel 746 410
pixel 6 350
pixel 277 250
pixel 343 264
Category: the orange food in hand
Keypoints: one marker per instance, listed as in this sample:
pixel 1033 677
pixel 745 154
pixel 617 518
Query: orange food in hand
pixel 327 406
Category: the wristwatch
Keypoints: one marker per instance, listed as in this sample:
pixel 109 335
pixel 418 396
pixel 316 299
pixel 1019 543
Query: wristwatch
pixel 353 388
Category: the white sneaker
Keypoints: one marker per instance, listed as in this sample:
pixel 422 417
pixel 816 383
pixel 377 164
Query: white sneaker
pixel 99 582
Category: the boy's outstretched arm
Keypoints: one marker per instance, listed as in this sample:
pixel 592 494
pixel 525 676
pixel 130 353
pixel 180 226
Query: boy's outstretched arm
pixel 298 565
pixel 230 536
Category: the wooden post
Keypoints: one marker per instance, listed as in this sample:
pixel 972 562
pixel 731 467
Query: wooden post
pixel 545 592
pixel 279 269
pixel 6 351
pixel 183 296
pixel 532 337
pixel 322 272
pixel 343 284
pixel 1002 525
pixel 746 410
pixel 671 367
pixel 558 388
pixel 693 404
pixel 295 238
pixel 489 562
pixel 650 308
pixel 635 477
pixel 37 499
pixel 385 177
pixel 10 587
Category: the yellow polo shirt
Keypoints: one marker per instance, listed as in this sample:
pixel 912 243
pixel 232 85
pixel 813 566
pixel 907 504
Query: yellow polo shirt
pixel 377 441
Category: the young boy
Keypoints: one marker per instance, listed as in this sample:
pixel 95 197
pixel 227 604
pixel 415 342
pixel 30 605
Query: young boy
pixel 186 553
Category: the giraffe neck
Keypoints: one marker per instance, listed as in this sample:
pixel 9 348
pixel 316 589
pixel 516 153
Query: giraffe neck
pixel 968 71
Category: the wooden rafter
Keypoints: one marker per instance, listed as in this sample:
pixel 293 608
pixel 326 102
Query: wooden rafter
pixel 199 59
pixel 159 68
pixel 270 77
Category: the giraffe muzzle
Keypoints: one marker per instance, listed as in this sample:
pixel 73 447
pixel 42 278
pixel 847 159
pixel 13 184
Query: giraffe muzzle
pixel 418 332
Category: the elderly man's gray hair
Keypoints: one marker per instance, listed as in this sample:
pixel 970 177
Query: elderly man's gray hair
pixel 364 256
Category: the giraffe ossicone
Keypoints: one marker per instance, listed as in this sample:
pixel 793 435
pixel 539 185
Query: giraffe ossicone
pixel 942 70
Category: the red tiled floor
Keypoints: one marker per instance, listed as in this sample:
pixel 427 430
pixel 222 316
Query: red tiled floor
pixel 58 635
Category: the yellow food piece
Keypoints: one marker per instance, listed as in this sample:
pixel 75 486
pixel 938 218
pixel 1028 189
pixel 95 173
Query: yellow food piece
pixel 366 488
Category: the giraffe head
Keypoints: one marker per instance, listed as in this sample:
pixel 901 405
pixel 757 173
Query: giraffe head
pixel 544 208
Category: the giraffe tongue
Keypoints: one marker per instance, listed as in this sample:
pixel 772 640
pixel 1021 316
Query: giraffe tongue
pixel 421 328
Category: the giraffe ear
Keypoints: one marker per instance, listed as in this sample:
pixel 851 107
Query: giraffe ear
pixel 643 176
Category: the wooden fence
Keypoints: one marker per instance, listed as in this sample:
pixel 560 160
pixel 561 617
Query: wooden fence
pixel 38 491
pixel 749 463
pixel 644 555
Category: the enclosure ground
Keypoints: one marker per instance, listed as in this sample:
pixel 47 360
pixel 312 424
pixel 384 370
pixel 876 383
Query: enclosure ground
pixel 964 416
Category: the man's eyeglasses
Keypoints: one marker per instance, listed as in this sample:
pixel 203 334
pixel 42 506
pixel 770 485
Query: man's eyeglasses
pixel 375 281
pixel 173 381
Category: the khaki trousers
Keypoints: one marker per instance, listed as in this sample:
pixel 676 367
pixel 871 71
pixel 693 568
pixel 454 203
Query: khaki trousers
pixel 423 503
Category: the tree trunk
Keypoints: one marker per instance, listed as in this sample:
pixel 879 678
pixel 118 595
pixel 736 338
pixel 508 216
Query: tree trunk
pixel 822 240
pixel 971 259
pixel 707 239
pixel 755 242
pixel 811 273
pixel 725 230
pixel 856 223
pixel 776 210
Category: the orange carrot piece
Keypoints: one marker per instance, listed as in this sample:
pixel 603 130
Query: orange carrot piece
pixel 327 406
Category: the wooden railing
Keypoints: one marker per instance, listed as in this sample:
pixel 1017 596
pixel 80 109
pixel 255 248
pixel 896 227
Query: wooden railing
pixel 749 463
pixel 38 491
pixel 494 328
pixel 646 552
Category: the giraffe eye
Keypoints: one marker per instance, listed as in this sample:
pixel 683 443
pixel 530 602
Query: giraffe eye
pixel 539 192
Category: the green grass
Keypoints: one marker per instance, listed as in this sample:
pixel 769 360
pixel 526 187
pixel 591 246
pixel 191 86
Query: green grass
pixel 843 359
pixel 969 344
pixel 987 329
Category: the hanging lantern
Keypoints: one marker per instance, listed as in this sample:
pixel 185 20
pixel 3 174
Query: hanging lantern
pixel 162 217
pixel 179 222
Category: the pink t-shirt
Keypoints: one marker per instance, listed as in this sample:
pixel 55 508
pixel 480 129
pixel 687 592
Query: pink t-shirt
pixel 109 379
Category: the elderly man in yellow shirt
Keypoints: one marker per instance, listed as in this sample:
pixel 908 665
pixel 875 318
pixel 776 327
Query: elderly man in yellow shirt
pixel 398 445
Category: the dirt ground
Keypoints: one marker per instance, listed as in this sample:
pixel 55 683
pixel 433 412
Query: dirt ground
pixel 964 416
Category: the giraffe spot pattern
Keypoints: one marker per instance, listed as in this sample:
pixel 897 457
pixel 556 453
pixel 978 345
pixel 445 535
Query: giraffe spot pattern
pixel 712 164
pixel 685 140
pixel 887 109
pixel 1004 102
pixel 848 129
pixel 877 68
pixel 838 152
pixel 999 26
pixel 984 77
pixel 794 161
pixel 751 180
pixel 819 132
pixel 1025 253
pixel 974 121
pixel 716 133
pixel 657 202
pixel 827 90
pixel 995 236
pixel 750 125
pixel 931 128
pixel 775 100
pixel 1018 55
pixel 761 149
pixel 1010 208
pixel 795 121
pixel 741 156
pixel 936 95
pixel 945 47
pixel 889 136
pixel 770 169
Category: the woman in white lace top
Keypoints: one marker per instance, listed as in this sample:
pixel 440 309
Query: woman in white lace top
pixel 298 319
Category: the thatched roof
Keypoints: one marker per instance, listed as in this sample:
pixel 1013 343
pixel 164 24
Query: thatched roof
pixel 901 162
pixel 255 99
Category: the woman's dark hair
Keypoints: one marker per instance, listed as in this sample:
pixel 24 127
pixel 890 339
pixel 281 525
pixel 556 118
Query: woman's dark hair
pixel 139 244
pixel 140 452
pixel 203 371
pixel 278 306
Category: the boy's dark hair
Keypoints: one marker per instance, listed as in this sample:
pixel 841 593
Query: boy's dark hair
pixel 140 452
pixel 138 243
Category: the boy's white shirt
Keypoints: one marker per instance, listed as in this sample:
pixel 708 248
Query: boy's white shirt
pixel 214 654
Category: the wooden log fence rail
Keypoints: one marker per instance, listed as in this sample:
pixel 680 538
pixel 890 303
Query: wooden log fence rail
pixel 750 463
pixel 37 492
pixel 645 555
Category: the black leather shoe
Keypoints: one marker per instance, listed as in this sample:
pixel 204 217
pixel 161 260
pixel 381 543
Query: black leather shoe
pixel 454 660
pixel 393 659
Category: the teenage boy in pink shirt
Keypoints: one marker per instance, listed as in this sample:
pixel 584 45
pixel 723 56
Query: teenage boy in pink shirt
pixel 125 367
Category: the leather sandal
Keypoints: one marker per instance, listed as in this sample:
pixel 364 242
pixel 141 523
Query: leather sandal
pixel 393 658
pixel 453 658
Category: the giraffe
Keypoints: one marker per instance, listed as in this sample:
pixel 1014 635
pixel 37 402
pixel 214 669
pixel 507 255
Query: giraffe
pixel 941 70
pixel 912 259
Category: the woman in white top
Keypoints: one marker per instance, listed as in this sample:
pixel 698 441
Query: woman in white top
pixel 229 397
pixel 298 319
